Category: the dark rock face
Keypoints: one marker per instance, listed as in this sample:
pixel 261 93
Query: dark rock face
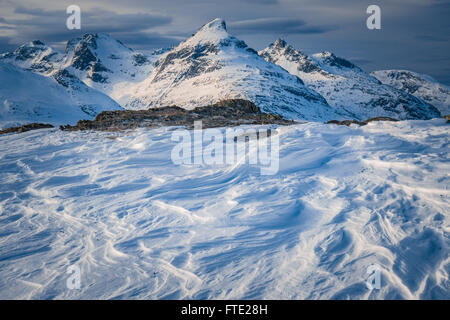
pixel 139 59
pixel 27 127
pixel 85 59
pixel 26 52
pixel 65 78
pixel 231 112
pixel 410 85
pixel 361 123
pixel 193 56
pixel 335 61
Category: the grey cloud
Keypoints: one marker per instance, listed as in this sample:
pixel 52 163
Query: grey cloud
pixel 6 45
pixel 277 25
pixel 98 19
pixel 34 11
pixel 427 37
pixel 262 1
pixel 49 26
pixel 147 41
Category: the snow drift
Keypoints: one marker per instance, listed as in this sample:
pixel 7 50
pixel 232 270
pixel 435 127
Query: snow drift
pixel 139 226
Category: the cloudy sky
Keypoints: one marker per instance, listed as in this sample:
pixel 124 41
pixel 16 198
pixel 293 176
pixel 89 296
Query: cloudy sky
pixel 415 34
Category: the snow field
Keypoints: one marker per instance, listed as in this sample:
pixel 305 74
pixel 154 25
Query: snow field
pixel 139 226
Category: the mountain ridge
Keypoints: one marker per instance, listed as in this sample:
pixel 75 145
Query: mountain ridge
pixel 210 66
pixel 419 85
pixel 213 65
pixel 346 87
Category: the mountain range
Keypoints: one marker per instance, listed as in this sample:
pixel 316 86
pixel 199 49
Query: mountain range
pixel 346 87
pixel 97 72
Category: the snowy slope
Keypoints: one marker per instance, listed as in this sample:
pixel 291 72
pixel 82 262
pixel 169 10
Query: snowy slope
pixel 27 97
pixel 139 226
pixel 213 65
pixel 347 88
pixel 419 85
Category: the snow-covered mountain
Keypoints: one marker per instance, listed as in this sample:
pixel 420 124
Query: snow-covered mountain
pixel 213 65
pixel 37 87
pixel 27 97
pixel 100 61
pixel 346 87
pixel 34 56
pixel 419 85
pixel 106 64
pixel 97 72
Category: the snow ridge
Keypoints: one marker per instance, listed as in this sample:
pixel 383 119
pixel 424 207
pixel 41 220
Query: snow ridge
pixel 346 87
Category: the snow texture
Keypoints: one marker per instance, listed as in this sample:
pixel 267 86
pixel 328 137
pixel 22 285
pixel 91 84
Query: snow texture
pixel 139 226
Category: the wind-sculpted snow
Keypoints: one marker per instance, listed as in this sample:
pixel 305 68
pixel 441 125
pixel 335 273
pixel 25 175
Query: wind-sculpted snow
pixel 352 92
pixel 139 226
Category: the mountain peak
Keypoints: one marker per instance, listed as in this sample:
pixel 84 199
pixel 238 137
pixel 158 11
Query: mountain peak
pixel 280 43
pixel 213 32
pixel 332 60
pixel 215 25
pixel 96 40
pixel 33 45
pixel 420 85
pixel 327 54
pixel 34 55
pixel 291 59
pixel 282 47
pixel 348 89
pixel 36 43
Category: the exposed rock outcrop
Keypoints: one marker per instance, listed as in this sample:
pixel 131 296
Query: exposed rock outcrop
pixel 231 112
pixel 361 123
pixel 27 127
